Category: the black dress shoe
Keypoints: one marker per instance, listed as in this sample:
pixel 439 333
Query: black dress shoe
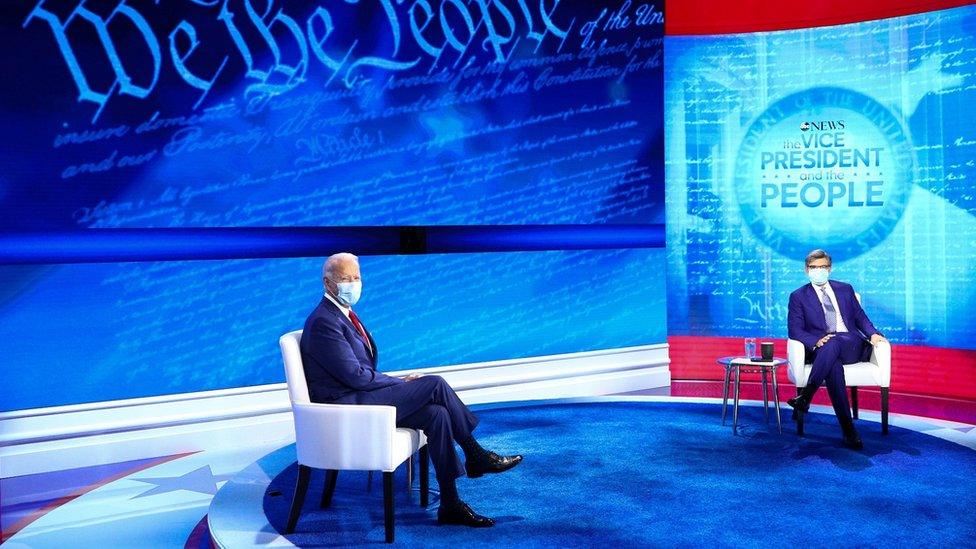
pixel 490 463
pixel 799 404
pixel 461 513
pixel 853 440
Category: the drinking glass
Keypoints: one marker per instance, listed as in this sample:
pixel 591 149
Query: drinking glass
pixel 750 347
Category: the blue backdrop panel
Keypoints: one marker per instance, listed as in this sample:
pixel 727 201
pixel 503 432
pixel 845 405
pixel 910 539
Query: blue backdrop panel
pixel 136 329
pixel 257 114
pixel 857 139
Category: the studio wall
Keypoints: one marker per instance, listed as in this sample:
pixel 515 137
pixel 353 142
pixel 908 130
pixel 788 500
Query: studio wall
pixel 246 113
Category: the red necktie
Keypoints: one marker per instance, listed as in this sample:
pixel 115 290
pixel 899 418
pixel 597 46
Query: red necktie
pixel 360 329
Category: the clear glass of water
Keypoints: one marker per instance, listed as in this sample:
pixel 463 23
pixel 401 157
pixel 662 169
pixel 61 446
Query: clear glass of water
pixel 750 347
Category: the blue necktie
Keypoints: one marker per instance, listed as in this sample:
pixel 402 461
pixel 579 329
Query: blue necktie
pixel 829 308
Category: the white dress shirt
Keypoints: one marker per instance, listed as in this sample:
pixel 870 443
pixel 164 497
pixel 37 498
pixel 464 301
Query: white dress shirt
pixel 841 327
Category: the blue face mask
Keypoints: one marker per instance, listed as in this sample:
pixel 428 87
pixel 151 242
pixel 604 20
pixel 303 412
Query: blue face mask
pixel 818 275
pixel 348 292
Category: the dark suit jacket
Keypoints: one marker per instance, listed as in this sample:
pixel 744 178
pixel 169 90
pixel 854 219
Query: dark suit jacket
pixel 806 320
pixel 335 357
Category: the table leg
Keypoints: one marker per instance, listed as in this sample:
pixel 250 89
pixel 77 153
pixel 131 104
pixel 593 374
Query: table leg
pixel 779 424
pixel 725 393
pixel 765 395
pixel 735 404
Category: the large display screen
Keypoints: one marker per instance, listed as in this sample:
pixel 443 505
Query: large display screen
pixel 858 139
pixel 233 113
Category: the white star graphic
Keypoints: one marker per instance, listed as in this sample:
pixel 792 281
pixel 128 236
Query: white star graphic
pixel 200 480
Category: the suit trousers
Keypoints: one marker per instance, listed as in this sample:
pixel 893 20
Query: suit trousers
pixel 430 404
pixel 828 369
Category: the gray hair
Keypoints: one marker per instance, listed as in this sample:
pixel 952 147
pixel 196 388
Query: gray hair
pixel 333 261
pixel 818 254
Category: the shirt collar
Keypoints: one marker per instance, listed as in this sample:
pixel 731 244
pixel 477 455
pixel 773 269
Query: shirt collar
pixel 345 310
pixel 817 288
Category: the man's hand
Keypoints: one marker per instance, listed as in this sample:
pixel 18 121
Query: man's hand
pixel 411 377
pixel 877 338
pixel 824 340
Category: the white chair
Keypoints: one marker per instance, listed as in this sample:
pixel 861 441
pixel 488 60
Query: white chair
pixel 347 437
pixel 874 373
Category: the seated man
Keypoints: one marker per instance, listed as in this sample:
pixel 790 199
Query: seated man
pixel 340 366
pixel 827 318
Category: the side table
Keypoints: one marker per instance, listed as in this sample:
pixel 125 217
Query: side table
pixel 739 365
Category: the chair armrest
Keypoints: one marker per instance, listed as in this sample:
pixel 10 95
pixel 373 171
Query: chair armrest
pixel 345 436
pixel 796 354
pixel 881 356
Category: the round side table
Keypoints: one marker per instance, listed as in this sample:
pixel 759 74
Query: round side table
pixel 739 365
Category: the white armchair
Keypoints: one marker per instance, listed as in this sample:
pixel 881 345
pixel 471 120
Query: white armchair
pixel 874 373
pixel 338 437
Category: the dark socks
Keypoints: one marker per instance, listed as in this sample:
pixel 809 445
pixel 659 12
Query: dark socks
pixel 449 493
pixel 472 450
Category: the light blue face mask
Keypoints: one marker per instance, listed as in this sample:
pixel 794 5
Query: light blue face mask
pixel 818 275
pixel 348 292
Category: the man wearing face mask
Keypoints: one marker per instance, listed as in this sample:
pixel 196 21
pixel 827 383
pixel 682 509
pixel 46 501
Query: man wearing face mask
pixel 340 358
pixel 826 317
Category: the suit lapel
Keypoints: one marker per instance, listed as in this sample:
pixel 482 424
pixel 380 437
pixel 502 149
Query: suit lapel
pixel 813 298
pixel 841 305
pixel 337 312
pixel 371 350
pixel 343 318
pixel 372 345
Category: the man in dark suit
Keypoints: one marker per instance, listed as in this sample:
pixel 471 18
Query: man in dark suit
pixel 826 317
pixel 340 359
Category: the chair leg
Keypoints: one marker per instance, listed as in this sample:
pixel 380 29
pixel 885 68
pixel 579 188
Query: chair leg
pixel 304 474
pixel 424 476
pixel 799 415
pixel 388 505
pixel 854 401
pixel 884 410
pixel 330 483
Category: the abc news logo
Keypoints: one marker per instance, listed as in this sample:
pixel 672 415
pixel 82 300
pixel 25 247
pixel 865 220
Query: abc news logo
pixel 822 125
pixel 820 159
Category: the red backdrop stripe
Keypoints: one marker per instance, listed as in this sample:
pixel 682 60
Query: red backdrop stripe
pixel 725 17
pixel 914 369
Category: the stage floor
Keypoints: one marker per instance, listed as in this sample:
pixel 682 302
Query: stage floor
pixel 164 501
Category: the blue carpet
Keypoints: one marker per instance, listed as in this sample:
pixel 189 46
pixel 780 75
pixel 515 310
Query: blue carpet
pixel 669 474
